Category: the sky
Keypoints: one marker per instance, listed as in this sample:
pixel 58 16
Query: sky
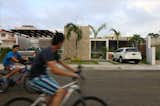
pixel 127 16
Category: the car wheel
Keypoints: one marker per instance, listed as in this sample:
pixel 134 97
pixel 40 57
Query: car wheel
pixel 113 59
pixel 136 61
pixel 121 60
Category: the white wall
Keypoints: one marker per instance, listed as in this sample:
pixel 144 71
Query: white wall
pixel 151 52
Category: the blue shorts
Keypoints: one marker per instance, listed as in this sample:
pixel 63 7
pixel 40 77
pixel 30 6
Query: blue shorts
pixel 45 84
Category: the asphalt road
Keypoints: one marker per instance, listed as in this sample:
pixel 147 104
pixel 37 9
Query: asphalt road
pixel 117 88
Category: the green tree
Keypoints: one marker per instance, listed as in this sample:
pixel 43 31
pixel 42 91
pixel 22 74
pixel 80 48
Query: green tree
pixel 117 35
pixel 154 35
pixel 96 32
pixel 72 28
pixel 136 40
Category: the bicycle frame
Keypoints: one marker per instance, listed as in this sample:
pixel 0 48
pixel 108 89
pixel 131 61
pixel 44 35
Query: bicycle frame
pixel 73 86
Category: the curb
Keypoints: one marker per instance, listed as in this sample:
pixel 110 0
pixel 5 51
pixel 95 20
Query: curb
pixel 120 68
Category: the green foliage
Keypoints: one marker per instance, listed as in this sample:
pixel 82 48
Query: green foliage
pixel 104 50
pixel 83 62
pixel 3 52
pixel 117 34
pixel 95 32
pixel 154 35
pixel 79 61
pixel 137 40
pixel 76 29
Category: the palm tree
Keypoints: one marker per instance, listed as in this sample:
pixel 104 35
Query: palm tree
pixel 75 29
pixel 154 35
pixel 96 32
pixel 136 40
pixel 117 34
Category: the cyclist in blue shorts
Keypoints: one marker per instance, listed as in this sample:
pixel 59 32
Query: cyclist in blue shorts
pixel 47 59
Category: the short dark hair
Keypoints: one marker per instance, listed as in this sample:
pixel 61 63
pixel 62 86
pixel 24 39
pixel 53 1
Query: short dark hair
pixel 14 46
pixel 57 38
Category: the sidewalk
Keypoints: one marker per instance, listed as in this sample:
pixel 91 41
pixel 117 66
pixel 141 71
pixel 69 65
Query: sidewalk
pixel 120 67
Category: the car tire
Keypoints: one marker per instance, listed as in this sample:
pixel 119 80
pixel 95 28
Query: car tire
pixel 113 59
pixel 136 61
pixel 121 60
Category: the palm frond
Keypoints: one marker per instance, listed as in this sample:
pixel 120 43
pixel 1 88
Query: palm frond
pixel 93 30
pixel 101 27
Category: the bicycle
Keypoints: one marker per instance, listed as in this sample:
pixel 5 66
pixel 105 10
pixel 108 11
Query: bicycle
pixel 71 87
pixel 20 79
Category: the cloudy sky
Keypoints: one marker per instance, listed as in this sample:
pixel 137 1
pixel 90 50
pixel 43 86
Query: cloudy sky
pixel 127 16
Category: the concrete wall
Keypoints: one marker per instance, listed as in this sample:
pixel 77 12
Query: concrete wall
pixel 33 42
pixel 44 42
pixel 155 42
pixel 83 45
pixel 28 42
pixel 151 57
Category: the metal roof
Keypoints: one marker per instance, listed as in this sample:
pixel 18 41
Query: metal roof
pixel 34 33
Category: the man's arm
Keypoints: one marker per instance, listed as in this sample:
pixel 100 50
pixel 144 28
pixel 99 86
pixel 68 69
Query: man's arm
pixel 20 57
pixel 57 71
pixel 66 66
pixel 14 59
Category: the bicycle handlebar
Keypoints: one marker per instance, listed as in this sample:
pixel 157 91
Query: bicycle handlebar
pixel 79 72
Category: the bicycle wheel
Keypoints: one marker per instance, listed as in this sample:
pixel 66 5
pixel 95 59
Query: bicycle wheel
pixel 19 101
pixel 3 86
pixel 90 101
pixel 27 87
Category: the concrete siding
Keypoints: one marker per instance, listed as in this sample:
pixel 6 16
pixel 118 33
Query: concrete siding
pixel 83 45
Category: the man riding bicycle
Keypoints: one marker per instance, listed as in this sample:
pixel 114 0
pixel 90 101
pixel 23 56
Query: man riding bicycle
pixel 10 59
pixel 48 59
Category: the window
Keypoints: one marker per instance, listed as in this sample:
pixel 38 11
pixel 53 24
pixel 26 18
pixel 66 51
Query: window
pixel 132 50
pixel 119 50
pixel 3 35
pixel 12 35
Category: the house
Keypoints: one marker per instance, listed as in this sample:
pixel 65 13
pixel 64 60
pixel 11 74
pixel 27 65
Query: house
pixel 88 48
pixel 31 37
pixel 7 38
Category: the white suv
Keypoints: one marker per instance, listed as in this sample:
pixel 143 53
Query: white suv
pixel 127 54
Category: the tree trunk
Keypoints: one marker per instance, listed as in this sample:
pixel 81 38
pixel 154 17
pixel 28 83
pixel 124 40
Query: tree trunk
pixel 76 55
pixel 94 48
pixel 117 44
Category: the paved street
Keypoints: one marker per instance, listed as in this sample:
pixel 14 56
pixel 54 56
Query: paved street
pixel 118 88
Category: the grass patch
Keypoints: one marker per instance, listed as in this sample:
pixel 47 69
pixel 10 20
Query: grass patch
pixel 113 62
pixel 144 61
pixel 82 62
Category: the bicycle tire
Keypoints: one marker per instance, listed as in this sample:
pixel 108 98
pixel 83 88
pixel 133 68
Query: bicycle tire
pixel 18 99
pixel 4 87
pixel 84 100
pixel 27 87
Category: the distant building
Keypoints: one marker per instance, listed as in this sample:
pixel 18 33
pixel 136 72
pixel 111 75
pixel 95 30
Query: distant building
pixel 7 38
pixel 31 37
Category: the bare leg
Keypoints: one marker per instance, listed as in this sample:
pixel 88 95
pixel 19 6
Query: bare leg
pixel 58 97
pixel 12 72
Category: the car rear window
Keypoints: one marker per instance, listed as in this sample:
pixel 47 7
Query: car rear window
pixel 131 50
